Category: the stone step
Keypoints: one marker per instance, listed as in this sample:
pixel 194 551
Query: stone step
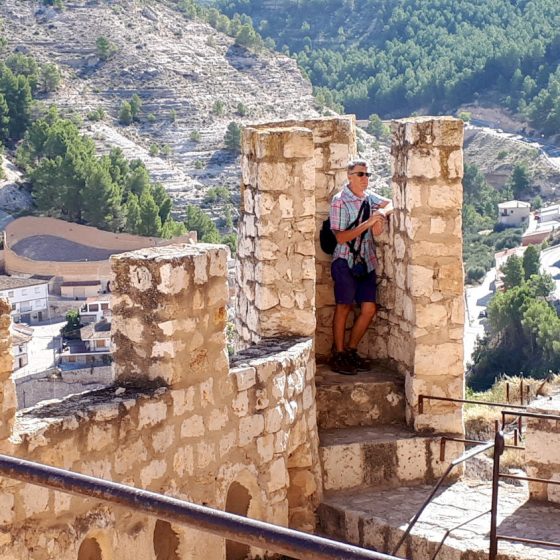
pixel 381 456
pixel 366 399
pixel 377 519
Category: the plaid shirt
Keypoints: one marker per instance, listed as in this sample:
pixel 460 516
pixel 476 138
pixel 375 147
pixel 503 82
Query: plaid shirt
pixel 345 207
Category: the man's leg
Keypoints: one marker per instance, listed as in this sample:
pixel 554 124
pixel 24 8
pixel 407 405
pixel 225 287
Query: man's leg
pixel 344 292
pixel 339 325
pixel 366 293
pixel 368 310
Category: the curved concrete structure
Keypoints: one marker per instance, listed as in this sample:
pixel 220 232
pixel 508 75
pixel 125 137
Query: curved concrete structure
pixel 36 246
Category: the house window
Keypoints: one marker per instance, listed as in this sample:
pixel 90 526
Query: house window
pixel 94 307
pixel 13 306
pixel 104 306
pixel 20 348
pixel 11 293
pixel 71 358
pixel 102 343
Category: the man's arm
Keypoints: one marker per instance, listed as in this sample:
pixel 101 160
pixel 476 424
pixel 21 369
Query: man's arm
pixel 349 234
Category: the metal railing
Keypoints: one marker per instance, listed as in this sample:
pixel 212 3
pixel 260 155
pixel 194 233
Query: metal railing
pixel 252 532
pixel 463 458
pixel 483 447
pixel 499 446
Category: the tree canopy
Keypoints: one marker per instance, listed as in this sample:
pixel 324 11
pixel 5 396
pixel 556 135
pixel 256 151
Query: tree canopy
pixel 70 181
pixel 393 57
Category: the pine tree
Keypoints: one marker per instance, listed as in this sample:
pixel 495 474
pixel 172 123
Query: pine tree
pixel 138 181
pixel 133 218
pixel 135 106
pixel 50 77
pixel 150 222
pixel 163 201
pixel 101 200
pixel 4 119
pixel 232 138
pixel 104 48
pixel 531 261
pixel 513 272
pixel 125 113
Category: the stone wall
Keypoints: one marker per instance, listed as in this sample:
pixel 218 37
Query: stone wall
pixel 542 450
pixel 420 326
pixel 7 390
pixel 31 389
pixel 290 171
pixel 178 421
pixel 421 316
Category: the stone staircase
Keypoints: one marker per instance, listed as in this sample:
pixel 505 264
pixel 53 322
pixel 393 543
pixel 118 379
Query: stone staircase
pixel 364 440
pixel 377 473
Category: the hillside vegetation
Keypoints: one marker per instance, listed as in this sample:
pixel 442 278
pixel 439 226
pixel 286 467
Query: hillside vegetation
pixel 393 57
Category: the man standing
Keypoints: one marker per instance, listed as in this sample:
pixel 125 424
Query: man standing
pixel 355 212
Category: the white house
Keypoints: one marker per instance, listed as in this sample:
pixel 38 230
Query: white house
pixel 93 349
pixel 20 337
pixel 28 297
pixel 514 213
pixel 95 309
pixel 548 214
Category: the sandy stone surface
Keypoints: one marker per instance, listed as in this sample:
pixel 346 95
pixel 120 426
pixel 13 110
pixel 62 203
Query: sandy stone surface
pixel 453 506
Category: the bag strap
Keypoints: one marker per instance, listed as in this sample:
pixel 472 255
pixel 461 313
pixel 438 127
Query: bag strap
pixel 363 213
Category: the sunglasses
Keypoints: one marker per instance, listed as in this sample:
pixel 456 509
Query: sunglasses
pixel 361 174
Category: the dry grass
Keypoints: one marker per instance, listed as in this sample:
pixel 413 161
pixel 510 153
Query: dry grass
pixel 480 419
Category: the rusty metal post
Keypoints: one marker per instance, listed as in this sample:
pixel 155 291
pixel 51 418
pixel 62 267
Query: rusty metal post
pixel 442 449
pixel 421 404
pixel 498 450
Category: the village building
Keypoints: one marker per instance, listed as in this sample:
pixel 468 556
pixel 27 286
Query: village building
pixel 514 213
pixel 21 336
pixel 28 298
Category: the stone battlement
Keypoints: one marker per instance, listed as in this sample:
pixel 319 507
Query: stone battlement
pixel 241 434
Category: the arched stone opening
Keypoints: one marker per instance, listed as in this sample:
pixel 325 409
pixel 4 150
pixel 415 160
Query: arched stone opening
pixel 90 550
pixel 238 501
pixel 166 541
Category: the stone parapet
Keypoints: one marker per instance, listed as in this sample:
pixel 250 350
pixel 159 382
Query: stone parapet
pixel 169 314
pixel 420 329
pixel 179 422
pixel 542 450
pixel 275 266
pixel 334 144
pixel 8 403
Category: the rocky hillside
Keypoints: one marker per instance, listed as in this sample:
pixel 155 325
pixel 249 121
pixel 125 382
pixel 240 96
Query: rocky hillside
pixel 496 154
pixel 179 68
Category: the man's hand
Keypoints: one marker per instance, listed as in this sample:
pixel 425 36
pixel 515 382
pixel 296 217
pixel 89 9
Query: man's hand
pixel 378 221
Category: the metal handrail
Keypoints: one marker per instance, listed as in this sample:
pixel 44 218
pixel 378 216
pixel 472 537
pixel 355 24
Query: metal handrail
pixel 252 532
pixel 464 457
pixel 421 399
pixel 499 445
pixel 449 531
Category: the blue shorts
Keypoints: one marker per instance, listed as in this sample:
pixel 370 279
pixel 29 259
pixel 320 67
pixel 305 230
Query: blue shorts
pixel 348 289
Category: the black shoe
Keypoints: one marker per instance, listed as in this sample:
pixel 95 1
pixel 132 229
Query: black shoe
pixel 340 363
pixel 361 364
